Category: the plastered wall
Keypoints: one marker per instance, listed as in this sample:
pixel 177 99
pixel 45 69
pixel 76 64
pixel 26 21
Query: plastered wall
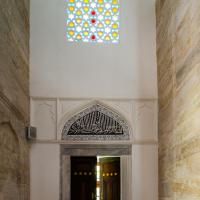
pixel 68 76
pixel 48 115
pixel 59 68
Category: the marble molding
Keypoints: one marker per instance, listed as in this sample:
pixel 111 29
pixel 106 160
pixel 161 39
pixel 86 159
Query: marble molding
pixel 178 58
pixel 14 100
pixel 89 150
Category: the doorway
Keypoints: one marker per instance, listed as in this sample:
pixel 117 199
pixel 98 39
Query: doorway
pixel 95 178
pixel 123 151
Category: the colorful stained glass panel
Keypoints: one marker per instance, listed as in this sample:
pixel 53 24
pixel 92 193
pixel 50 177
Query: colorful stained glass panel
pixel 93 21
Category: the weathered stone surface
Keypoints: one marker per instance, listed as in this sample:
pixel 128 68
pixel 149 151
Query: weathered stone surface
pixel 14 51
pixel 178 58
pixel 14 99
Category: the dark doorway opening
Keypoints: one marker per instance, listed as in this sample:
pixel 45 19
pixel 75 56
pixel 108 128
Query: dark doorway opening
pixel 95 178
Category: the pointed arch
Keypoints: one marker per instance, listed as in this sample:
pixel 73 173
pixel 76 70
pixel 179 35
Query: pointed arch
pixel 96 122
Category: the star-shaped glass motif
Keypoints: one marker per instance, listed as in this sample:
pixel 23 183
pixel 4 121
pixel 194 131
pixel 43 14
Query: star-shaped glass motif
pixel 93 21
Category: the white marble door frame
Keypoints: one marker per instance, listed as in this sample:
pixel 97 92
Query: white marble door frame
pixel 124 151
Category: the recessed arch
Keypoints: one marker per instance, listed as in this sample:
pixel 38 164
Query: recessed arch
pixel 96 122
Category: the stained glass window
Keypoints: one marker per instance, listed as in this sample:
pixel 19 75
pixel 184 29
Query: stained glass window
pixel 93 21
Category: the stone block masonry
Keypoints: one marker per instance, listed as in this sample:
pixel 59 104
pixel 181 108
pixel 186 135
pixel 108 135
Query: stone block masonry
pixel 14 99
pixel 178 58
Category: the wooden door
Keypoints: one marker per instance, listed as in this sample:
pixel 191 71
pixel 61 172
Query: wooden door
pixel 83 178
pixel 110 178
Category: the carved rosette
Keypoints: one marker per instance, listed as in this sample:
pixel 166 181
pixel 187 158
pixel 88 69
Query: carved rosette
pixel 96 123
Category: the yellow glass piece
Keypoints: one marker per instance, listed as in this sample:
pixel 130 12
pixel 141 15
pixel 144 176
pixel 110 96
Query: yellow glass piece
pixel 71 8
pixel 115 174
pixel 107 13
pixel 103 174
pixel 115 26
pixel 86 33
pixel 85 8
pixel 86 25
pixel 111 174
pixel 100 33
pixel 114 34
pixel 107 21
pixel 114 2
pixel 78 12
pixel 80 173
pixel 115 10
pixel 78 20
pixel 86 1
pixel 71 32
pixel 71 24
pixel 100 25
pixel 100 9
pixel 107 174
pixel 71 1
pixel 100 1
pixel 107 38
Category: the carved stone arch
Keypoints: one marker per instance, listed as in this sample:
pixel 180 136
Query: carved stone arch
pixel 96 122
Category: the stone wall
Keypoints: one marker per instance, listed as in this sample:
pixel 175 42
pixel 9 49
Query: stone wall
pixel 14 99
pixel 178 57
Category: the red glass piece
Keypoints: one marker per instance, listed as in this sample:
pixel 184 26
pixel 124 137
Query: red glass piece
pixel 93 37
pixel 93 21
pixel 93 13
